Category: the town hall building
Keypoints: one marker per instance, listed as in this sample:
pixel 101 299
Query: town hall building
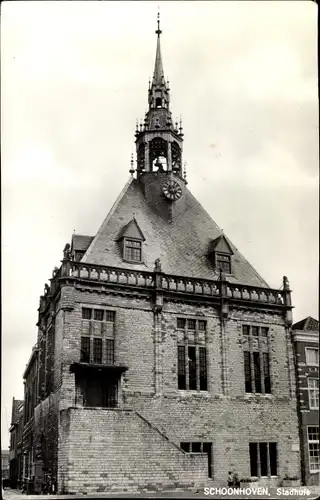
pixel 163 359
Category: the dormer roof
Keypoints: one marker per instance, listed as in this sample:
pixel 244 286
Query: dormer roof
pixel 131 231
pixel 221 245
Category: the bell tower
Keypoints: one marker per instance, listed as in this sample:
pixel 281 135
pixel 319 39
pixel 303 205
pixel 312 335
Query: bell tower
pixel 158 139
pixel 159 145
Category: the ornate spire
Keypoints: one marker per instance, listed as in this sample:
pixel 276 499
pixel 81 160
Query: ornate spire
pixel 158 140
pixel 158 75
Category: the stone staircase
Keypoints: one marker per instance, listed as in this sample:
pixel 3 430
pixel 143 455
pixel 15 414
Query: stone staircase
pixel 118 450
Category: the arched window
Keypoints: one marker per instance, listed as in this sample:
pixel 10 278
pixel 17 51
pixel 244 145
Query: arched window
pixel 158 154
pixel 158 102
pixel 176 157
pixel 141 157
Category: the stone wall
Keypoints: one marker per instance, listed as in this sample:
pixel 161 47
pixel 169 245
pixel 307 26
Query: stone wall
pixel 224 415
pixel 45 440
pixel 117 450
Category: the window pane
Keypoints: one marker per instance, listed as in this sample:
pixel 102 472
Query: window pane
pixel 312 356
pixel 98 314
pixel 132 243
pixel 191 324
pixel 202 325
pixel 109 352
pixel 264 331
pixel 85 350
pixel 314 456
pixel 225 266
pixel 111 399
pixel 181 367
pixel 313 383
pixel 196 447
pixel 181 323
pixel 313 386
pixel 97 351
pixel 192 368
pixel 185 447
pixel 313 433
pixel 273 459
pixel 223 258
pixel 110 316
pixel 255 331
pixel 253 448
pixel 245 329
pixel 266 373
pixel 257 373
pixel 203 368
pixel 247 371
pixel 133 254
pixel 86 313
pixel 263 459
pixel 224 263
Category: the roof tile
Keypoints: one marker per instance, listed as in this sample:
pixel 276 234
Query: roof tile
pixel 182 245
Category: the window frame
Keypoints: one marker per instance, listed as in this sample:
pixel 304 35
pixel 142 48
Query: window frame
pixel 314 390
pixel 257 359
pixel 198 349
pixel 259 461
pixel 313 442
pixel 126 245
pixel 107 340
pixel 225 258
pixel 260 329
pixel 257 368
pixel 306 355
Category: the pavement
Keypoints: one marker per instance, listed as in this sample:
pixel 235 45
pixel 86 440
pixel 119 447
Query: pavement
pixel 294 493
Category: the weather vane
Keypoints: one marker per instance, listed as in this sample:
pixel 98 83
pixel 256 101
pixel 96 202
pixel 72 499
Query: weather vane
pixel 158 32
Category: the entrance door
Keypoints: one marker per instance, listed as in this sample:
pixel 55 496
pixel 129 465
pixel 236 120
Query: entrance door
pixel 100 391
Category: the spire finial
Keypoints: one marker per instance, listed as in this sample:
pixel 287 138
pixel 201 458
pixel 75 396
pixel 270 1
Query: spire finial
pixel 158 31
pixel 185 172
pixel 131 171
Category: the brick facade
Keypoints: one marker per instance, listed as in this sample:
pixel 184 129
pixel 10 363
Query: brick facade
pixel 16 429
pixel 307 338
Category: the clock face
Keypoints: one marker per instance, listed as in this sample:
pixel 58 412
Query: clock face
pixel 172 190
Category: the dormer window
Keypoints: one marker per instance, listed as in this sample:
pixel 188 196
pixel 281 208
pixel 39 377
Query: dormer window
pixel 132 250
pixel 220 254
pixel 130 240
pixel 223 261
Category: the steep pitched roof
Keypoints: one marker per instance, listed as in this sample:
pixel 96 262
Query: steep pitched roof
pixel 16 405
pixel 181 245
pixel 80 242
pixel 307 324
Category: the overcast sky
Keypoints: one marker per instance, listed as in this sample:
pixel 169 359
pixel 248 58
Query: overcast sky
pixel 243 75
